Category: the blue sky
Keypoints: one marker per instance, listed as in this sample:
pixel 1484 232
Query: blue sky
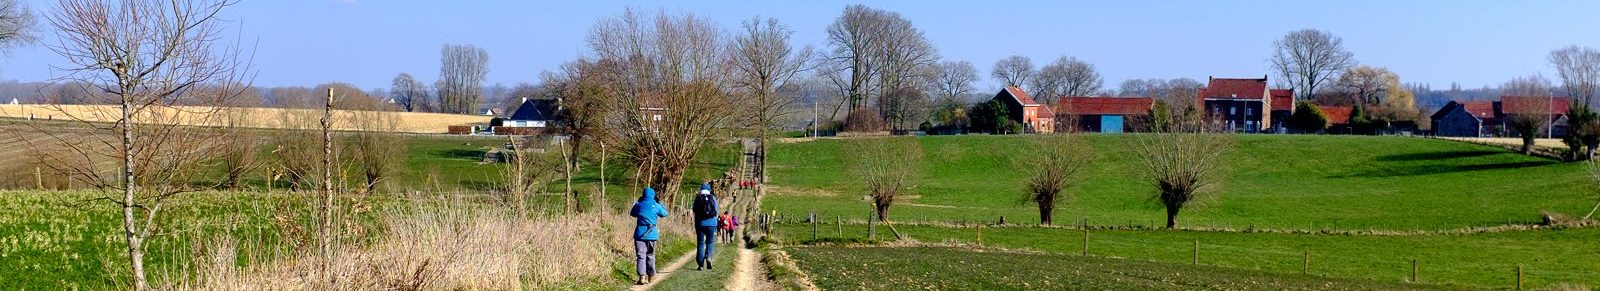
pixel 367 42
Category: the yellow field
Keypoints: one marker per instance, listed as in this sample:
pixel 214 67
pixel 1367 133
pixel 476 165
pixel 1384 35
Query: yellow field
pixel 411 122
pixel 1550 143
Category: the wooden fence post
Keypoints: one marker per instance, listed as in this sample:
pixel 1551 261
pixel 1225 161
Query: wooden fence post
pixel 813 218
pixel 1519 276
pixel 839 222
pixel 38 178
pixel 1305 268
pixel 871 233
pixel 980 235
pixel 1197 252
pixel 1414 271
pixel 1085 236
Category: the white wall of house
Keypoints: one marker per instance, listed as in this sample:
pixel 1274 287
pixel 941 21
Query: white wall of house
pixel 524 123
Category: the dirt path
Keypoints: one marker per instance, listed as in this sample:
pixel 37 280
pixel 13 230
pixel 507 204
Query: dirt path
pixel 662 274
pixel 745 275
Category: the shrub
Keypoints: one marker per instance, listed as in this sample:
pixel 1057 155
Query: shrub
pixel 863 120
pixel 1308 117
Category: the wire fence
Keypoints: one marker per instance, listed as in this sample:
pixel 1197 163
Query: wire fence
pixel 1380 255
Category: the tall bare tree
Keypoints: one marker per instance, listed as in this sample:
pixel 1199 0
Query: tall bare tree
pixel 665 100
pixel 1579 69
pixel 1067 76
pixel 150 55
pixel 954 79
pixel 1527 102
pixel 1182 163
pixel 16 24
pixel 879 49
pixel 1308 58
pixel 461 77
pixel 1054 167
pixel 408 92
pixel 1013 71
pixel 764 61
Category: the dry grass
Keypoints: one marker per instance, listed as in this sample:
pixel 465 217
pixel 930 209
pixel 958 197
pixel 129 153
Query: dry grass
pixel 410 122
pixel 456 248
pixel 1549 143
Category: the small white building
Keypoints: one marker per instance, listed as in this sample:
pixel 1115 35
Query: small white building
pixel 534 113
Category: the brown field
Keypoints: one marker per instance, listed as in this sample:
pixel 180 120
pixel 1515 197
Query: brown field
pixel 409 122
pixel 1549 143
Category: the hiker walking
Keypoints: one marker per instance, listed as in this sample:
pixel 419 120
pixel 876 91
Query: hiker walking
pixel 705 229
pixel 725 223
pixel 646 234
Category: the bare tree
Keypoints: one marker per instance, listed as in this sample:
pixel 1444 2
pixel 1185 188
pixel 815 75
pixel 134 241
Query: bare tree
pixel 408 92
pixel 887 167
pixel 663 80
pixel 880 49
pixel 954 79
pixel 1013 71
pixel 1594 177
pixel 1067 76
pixel 16 24
pixel 528 170
pixel 1527 102
pixel 1182 163
pixel 150 55
pixel 763 61
pixel 1054 167
pixel 373 147
pixel 1308 58
pixel 1367 85
pixel 461 77
pixel 1579 69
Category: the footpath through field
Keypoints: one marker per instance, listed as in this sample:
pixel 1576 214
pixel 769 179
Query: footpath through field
pixel 734 267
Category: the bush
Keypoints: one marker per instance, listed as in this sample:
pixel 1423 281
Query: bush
pixel 863 120
pixel 990 117
pixel 1308 117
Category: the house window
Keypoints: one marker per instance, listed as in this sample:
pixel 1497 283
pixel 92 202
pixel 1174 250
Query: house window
pixel 1249 111
pixel 1233 110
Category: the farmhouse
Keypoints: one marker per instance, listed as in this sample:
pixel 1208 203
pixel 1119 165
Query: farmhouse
pixel 1244 104
pixel 1338 115
pixel 1489 118
pixel 1033 116
pixel 1104 114
pixel 533 116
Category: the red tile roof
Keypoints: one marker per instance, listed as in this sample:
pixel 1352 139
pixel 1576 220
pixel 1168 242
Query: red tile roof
pixel 1022 96
pixel 1282 99
pixel 1081 105
pixel 1480 109
pixel 1553 105
pixel 1045 112
pixel 1225 88
pixel 1336 114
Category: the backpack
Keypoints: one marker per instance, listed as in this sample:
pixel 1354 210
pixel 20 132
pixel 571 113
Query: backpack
pixel 704 207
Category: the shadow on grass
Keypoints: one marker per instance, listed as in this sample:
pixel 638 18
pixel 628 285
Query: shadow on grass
pixel 473 154
pixel 1419 170
pixel 1429 156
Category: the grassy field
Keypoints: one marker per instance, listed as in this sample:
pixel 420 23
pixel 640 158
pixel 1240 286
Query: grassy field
pixel 1549 257
pixel 411 122
pixel 940 268
pixel 1274 181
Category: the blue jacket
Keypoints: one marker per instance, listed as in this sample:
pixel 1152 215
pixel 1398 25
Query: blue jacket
pixel 647 211
pixel 712 220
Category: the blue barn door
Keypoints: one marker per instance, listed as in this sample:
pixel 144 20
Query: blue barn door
pixel 1110 124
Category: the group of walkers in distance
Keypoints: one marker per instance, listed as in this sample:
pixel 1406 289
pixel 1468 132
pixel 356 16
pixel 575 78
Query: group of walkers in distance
pixel 707 224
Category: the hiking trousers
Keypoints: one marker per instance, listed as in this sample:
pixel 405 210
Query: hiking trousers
pixel 705 238
pixel 644 253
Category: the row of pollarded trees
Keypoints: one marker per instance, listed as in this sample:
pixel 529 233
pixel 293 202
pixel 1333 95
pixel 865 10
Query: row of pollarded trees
pixel 1182 162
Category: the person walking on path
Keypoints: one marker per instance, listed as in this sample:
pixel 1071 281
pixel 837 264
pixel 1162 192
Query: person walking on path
pixel 705 229
pixel 646 235
pixel 725 224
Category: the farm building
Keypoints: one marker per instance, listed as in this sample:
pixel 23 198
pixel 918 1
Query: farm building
pixel 534 113
pixel 1242 104
pixel 1488 118
pixel 1282 108
pixel 1104 114
pixel 1033 116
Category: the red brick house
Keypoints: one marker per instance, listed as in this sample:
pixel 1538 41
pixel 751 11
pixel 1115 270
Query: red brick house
pixel 1282 108
pixel 1033 116
pixel 1104 114
pixel 1239 104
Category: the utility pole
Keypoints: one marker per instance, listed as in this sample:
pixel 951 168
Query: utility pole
pixel 816 114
